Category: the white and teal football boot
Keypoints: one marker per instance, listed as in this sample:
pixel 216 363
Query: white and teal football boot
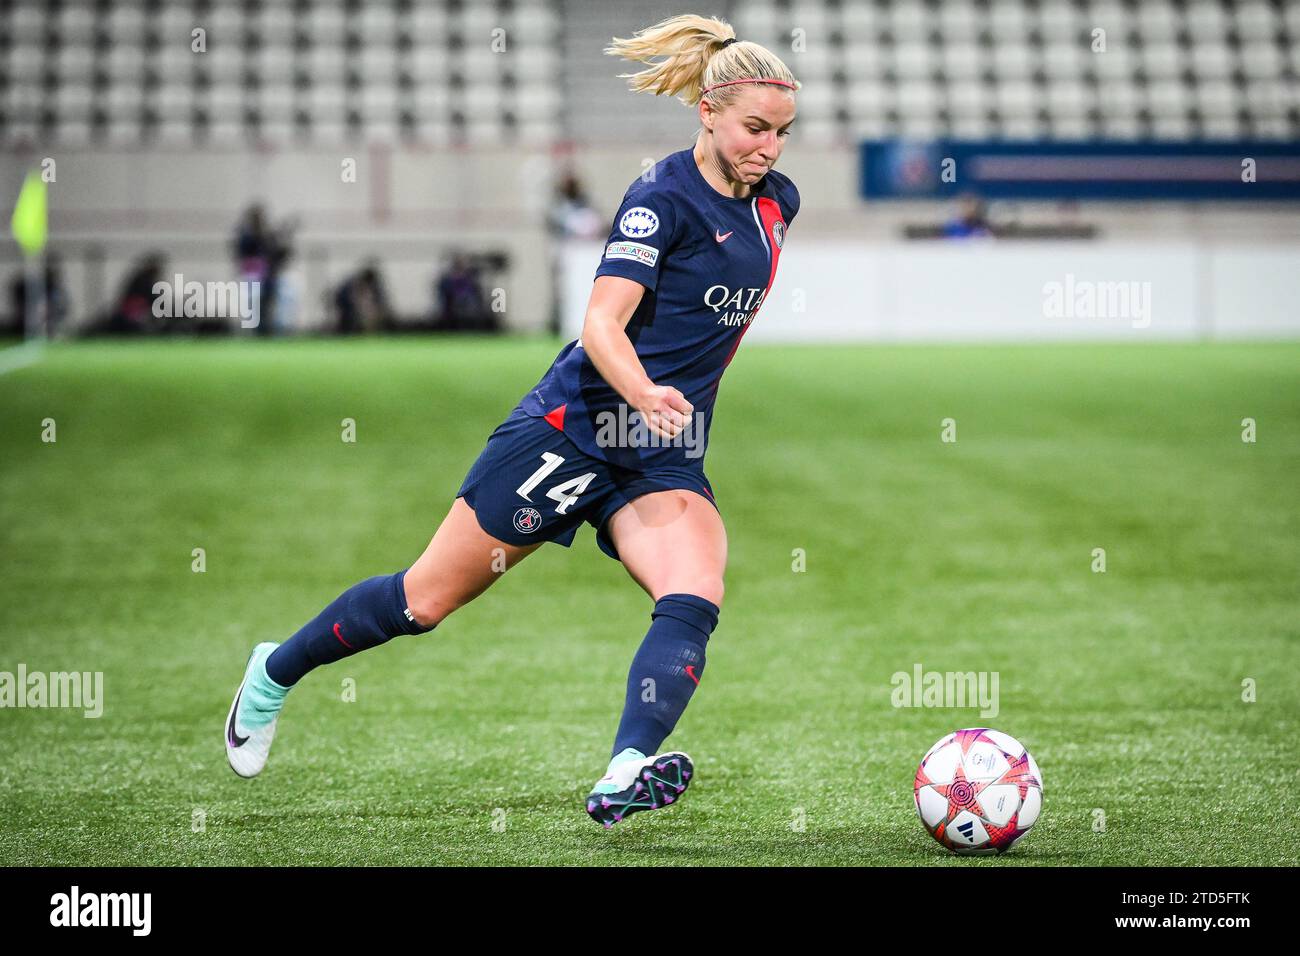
pixel 250 728
pixel 637 782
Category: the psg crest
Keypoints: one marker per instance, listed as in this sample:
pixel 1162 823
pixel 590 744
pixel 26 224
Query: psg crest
pixel 528 520
pixel 778 232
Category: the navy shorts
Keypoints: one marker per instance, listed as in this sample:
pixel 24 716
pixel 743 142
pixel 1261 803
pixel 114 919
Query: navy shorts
pixel 531 484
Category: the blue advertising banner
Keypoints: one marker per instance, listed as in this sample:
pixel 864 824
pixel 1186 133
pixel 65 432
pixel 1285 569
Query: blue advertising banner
pixel 1093 169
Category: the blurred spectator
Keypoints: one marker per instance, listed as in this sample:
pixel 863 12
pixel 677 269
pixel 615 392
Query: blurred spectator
pixel 52 300
pixel 361 303
pixel 971 219
pixel 262 253
pixel 571 216
pixel 133 312
pixel 462 306
pixel 253 242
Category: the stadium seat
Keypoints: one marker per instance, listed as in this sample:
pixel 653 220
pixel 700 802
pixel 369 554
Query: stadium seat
pixel 901 64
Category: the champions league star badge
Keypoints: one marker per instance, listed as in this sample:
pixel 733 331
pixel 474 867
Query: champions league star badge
pixel 528 520
pixel 638 223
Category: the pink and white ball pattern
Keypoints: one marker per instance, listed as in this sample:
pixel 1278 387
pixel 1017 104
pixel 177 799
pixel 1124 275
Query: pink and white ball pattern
pixel 978 791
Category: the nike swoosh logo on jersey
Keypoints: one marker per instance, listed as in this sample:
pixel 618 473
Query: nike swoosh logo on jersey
pixel 231 735
pixel 720 237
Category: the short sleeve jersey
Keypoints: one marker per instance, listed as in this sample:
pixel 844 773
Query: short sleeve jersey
pixel 707 262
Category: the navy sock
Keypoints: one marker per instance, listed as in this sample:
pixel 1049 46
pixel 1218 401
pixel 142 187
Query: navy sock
pixel 665 671
pixel 364 616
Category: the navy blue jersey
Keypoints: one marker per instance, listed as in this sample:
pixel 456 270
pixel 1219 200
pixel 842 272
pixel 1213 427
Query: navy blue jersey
pixel 707 261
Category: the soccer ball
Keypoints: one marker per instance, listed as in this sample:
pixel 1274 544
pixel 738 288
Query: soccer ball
pixel 978 791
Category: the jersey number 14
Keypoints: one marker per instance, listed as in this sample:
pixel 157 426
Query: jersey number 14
pixel 566 493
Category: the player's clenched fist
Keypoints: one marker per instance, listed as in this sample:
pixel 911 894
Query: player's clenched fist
pixel 664 409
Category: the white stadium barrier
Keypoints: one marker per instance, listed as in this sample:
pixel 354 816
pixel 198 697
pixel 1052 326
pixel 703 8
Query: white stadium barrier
pixel 988 290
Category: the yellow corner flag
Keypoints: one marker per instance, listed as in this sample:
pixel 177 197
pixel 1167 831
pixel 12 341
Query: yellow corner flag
pixel 29 223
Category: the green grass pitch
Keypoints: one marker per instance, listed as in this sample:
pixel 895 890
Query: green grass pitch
pixel 477 743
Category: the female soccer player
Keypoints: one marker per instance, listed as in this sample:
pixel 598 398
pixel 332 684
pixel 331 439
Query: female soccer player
pixel 614 433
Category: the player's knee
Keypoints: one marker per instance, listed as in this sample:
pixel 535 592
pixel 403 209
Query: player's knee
pixel 430 608
pixel 708 587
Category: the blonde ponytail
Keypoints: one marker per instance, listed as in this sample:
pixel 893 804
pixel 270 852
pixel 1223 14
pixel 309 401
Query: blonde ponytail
pixel 697 57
